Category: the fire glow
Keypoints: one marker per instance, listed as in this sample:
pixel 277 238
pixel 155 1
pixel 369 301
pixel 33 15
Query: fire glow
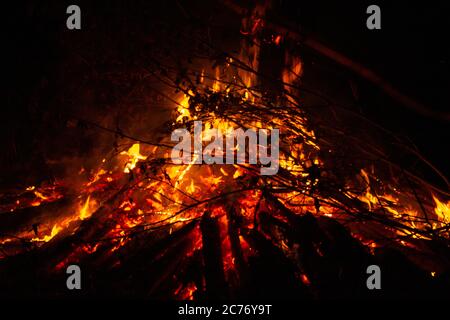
pixel 158 212
pixel 213 153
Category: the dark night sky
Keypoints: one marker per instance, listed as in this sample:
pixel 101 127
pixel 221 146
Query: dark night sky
pixel 411 51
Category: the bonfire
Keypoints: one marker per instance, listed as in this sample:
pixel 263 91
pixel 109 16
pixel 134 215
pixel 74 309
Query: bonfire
pixel 146 226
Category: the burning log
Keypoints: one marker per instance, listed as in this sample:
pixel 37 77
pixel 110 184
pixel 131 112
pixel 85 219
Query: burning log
pixel 31 218
pixel 153 265
pixel 234 224
pixel 273 275
pixel 216 286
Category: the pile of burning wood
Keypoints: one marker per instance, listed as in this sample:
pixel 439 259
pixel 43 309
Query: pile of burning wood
pixel 140 225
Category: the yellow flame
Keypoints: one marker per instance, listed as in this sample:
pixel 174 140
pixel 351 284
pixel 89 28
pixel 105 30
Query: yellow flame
pixel 442 210
pixel 55 230
pixel 183 109
pixel 134 156
pixel 84 211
